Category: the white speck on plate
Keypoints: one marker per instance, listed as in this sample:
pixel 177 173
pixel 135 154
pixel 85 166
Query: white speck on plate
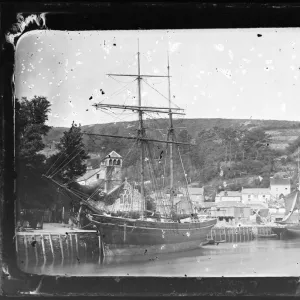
pixel 219 47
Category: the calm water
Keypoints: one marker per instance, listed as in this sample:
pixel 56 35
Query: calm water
pixel 255 258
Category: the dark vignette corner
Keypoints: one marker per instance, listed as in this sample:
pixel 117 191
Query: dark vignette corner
pixel 116 16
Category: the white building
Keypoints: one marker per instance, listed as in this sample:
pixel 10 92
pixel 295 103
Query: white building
pixel 280 187
pixel 256 196
pixel 196 195
pixel 228 196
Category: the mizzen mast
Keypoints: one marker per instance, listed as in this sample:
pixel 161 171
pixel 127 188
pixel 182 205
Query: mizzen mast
pixel 171 138
pixel 141 132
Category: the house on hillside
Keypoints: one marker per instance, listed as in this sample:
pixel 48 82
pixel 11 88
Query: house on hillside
pixel 107 172
pixel 228 196
pixel 231 211
pixel 256 196
pixel 196 195
pixel 280 187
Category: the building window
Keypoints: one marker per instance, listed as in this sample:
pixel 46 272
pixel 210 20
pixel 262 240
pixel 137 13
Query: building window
pixel 98 176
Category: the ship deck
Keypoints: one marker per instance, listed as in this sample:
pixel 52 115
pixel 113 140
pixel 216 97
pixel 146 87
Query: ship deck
pixel 54 228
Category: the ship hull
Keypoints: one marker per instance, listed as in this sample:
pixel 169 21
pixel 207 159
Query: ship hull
pixel 122 237
pixel 293 231
pixel 288 231
pixel 280 231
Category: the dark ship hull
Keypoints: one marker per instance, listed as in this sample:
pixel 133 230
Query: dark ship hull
pixel 122 236
pixel 291 231
pixel 279 230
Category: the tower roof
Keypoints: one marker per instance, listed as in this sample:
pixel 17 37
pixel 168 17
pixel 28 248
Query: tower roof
pixel 113 154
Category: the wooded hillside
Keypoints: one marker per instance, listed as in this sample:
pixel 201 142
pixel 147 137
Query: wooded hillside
pixel 238 152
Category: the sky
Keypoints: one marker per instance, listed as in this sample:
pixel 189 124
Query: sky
pixel 216 73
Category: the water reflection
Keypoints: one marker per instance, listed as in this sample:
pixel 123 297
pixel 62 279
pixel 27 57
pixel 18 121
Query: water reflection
pixel 255 258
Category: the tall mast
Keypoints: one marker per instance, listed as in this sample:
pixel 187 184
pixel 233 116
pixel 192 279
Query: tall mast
pixel 141 136
pixel 298 172
pixel 171 131
pixel 141 132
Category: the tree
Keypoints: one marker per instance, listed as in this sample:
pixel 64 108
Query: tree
pixel 255 142
pixel 31 117
pixel 71 156
pixel 293 146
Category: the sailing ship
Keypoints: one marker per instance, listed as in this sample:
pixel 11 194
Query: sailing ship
pixel 147 234
pixel 290 225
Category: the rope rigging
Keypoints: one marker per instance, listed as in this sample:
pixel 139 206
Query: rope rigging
pixel 185 176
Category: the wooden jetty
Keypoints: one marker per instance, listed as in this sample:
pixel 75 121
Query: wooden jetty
pixel 239 234
pixel 58 243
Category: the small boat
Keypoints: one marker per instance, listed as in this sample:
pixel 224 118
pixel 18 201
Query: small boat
pixel 267 236
pixel 213 242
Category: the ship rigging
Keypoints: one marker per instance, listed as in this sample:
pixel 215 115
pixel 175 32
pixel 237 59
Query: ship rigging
pixel 157 236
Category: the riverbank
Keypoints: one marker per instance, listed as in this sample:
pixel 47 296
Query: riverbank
pixel 256 258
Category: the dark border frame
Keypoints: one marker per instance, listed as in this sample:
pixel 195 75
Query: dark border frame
pixel 116 16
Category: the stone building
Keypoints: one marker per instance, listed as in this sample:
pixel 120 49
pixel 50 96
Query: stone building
pixel 280 187
pixel 108 173
pixel 228 196
pixel 256 196
pixel 231 210
pixel 129 200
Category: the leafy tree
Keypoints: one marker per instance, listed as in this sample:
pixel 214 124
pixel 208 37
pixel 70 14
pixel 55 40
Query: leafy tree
pixel 255 143
pixel 71 156
pixel 31 117
pixel 293 146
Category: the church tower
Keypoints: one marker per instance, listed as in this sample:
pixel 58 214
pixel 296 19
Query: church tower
pixel 113 171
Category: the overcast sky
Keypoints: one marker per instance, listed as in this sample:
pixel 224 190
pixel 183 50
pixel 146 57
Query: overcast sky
pixel 246 73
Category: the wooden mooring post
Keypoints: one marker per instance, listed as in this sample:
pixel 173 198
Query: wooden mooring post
pixel 43 248
pixel 71 246
pixel 35 251
pixel 51 246
pixel 68 246
pixel 76 242
pixel 85 251
pixel 100 247
pixel 26 249
pixel 61 248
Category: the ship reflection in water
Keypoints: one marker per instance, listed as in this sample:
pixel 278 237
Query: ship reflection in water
pixel 255 258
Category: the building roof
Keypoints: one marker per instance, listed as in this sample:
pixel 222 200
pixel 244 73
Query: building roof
pixel 89 174
pixel 93 162
pixel 195 191
pixel 113 154
pixel 280 181
pixel 207 204
pixel 256 205
pixel 231 204
pixel 256 191
pixel 230 194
